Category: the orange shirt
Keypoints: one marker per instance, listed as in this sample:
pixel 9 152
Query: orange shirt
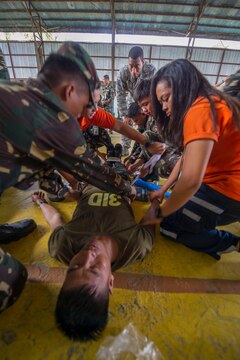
pixel 223 169
pixel 100 118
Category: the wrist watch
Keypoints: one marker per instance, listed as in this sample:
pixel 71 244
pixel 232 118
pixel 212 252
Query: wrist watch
pixel 148 143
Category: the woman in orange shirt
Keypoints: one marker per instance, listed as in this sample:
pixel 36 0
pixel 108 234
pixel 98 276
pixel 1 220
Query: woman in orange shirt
pixel 206 194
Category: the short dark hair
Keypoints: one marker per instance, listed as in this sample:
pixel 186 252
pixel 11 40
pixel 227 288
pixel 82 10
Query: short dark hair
pixel 142 90
pixel 82 314
pixel 136 52
pixel 106 77
pixel 133 110
pixel 58 68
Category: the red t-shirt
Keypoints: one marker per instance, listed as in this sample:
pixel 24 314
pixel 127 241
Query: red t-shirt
pixel 223 169
pixel 100 118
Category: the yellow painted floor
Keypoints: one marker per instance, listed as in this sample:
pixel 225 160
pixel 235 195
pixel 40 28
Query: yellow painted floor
pixel 190 307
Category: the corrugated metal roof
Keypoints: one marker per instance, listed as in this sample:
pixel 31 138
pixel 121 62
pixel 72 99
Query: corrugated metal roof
pixel 200 18
pixel 213 63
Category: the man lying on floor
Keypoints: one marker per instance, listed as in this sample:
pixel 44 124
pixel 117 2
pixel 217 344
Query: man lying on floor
pixel 102 237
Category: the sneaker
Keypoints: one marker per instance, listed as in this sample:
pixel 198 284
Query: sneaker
pixel 118 151
pixel 16 230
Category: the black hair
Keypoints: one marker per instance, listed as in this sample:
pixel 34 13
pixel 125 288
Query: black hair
pixel 82 314
pixel 142 90
pixel 187 83
pixel 106 77
pixel 136 52
pixel 133 110
pixel 58 68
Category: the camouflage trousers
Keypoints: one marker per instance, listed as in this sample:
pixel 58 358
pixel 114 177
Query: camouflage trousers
pixel 168 160
pixel 13 276
pixel 97 137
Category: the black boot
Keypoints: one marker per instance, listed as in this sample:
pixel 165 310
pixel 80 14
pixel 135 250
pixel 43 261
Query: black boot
pixel 15 231
pixel 118 150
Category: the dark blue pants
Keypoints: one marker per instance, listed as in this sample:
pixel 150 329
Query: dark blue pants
pixel 194 224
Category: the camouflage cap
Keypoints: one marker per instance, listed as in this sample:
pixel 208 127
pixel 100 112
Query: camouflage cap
pixel 76 52
pixel 232 85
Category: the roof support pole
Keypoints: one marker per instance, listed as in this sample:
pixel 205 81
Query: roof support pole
pixel 37 27
pixel 11 59
pixel 193 27
pixel 220 65
pixel 113 38
pixel 150 54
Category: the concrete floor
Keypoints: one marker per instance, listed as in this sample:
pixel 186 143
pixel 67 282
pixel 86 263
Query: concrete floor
pixel 185 302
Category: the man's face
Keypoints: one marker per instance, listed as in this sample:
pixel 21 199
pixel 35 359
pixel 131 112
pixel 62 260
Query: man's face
pixel 90 266
pixel 140 119
pixel 164 96
pixel 89 111
pixel 106 81
pixel 135 66
pixel 146 105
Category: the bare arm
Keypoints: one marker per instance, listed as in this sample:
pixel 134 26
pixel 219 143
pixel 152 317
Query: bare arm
pixel 159 194
pixel 195 162
pixel 51 215
pixel 128 131
pixel 196 158
pixel 151 213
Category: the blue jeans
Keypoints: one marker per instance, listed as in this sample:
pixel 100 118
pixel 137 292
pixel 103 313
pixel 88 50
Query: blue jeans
pixel 194 224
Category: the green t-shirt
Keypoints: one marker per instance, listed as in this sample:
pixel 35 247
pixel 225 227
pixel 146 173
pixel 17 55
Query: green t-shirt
pixel 101 213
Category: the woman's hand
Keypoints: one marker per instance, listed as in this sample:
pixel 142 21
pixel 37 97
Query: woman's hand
pixel 158 195
pixel 152 215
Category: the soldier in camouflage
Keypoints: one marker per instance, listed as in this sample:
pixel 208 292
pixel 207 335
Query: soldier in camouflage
pixel 171 155
pixel 3 68
pixel 39 130
pixel 13 274
pixel 128 79
pixel 38 124
pixel 108 94
pixel 135 113
pixel 232 85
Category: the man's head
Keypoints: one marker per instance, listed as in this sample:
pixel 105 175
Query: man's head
pixel 90 110
pixel 82 306
pixel 71 75
pixel 135 61
pixel 142 95
pixel 135 113
pixel 106 80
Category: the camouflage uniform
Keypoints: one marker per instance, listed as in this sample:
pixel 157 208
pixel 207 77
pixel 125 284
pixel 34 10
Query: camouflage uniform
pixel 170 157
pixel 108 94
pixel 126 83
pixel 13 276
pixel 3 68
pixel 97 137
pixel 38 134
pixel 137 148
pixel 232 85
